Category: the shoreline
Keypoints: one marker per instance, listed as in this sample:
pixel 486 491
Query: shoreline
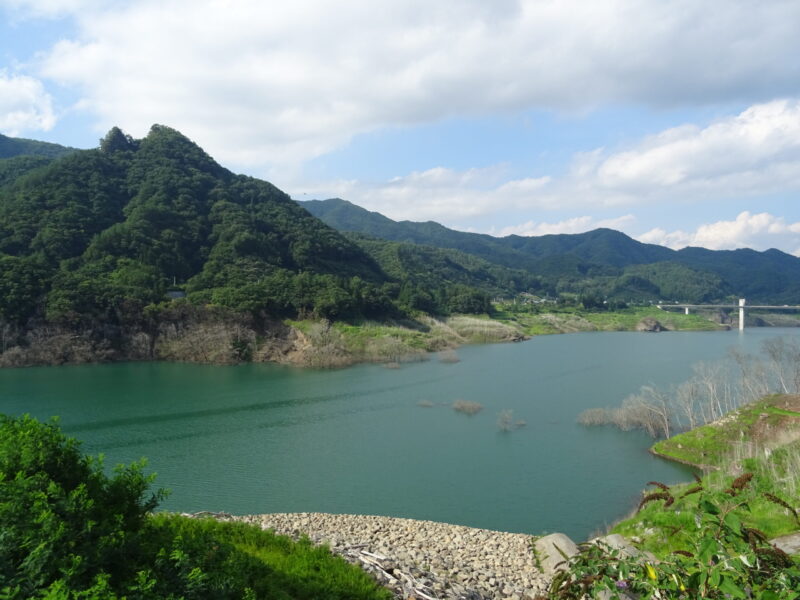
pixel 704 468
pixel 295 344
pixel 416 558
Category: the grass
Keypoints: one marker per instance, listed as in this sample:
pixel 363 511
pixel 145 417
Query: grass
pixel 710 445
pixel 573 319
pixel 411 339
pixel 467 407
pixel 272 566
pixel 663 531
pixel 395 342
pixel 762 438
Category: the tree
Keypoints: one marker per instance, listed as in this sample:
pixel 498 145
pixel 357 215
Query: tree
pixel 62 519
pixel 115 140
pixel 22 282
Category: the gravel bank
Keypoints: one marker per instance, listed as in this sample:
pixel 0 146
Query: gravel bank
pixel 422 559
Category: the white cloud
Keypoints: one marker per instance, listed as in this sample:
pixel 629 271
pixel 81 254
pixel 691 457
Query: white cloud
pixel 24 105
pixel 760 231
pixel 264 83
pixel 572 225
pixel 754 152
pixel 440 194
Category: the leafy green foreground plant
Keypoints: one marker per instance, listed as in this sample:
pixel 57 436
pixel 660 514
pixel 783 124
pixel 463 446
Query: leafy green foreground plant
pixel 724 559
pixel 68 531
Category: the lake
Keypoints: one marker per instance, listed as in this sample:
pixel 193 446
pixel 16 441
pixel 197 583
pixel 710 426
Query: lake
pixel 266 438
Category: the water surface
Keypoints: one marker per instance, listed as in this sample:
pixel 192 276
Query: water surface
pixel 265 438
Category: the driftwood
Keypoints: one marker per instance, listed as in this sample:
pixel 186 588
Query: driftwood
pixel 390 574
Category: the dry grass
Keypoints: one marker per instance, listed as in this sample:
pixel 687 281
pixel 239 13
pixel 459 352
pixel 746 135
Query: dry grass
pixel 325 347
pixel 567 323
pixel 212 343
pixel 448 357
pixel 482 330
pixel 467 407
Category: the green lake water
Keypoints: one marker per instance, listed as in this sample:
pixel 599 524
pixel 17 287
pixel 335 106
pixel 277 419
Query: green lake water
pixel 264 438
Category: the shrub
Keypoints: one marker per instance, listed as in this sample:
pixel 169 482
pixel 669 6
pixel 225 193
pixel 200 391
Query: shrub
pixel 448 357
pixel 68 531
pixel 723 558
pixel 467 407
pixel 505 420
pixel 63 521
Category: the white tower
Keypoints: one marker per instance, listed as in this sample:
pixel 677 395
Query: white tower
pixel 741 314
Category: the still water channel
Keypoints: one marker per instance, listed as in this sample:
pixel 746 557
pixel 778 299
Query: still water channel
pixel 264 438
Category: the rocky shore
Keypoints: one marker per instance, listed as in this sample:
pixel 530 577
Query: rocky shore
pixel 422 560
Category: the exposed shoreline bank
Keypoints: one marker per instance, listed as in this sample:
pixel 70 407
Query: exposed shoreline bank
pixel 316 344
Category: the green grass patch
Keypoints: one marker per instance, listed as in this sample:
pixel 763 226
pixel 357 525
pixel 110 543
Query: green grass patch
pixel 663 530
pixel 551 320
pixel 710 445
pixel 238 556
pixel 762 438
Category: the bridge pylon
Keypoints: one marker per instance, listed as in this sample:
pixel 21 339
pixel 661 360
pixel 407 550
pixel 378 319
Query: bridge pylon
pixel 742 302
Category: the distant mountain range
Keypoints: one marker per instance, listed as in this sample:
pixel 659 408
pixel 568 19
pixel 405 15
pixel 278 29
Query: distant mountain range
pixel 602 261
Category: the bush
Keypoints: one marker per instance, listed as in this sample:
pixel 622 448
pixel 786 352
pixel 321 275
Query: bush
pixel 63 521
pixel 68 531
pixel 723 557
pixel 467 407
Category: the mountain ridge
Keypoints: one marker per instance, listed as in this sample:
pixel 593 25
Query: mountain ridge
pixel 767 275
pixel 11 147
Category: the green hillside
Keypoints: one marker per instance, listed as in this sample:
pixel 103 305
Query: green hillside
pixel 432 267
pixel 602 262
pixel 345 216
pixel 10 147
pixel 99 234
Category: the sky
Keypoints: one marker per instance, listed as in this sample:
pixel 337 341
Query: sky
pixel 674 121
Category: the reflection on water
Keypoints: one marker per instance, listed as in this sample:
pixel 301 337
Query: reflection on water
pixel 262 438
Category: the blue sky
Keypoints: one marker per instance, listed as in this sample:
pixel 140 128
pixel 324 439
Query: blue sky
pixel 675 121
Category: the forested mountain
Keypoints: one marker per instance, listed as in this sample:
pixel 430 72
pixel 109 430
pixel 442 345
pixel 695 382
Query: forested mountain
pixel 10 147
pixel 602 262
pixel 345 216
pixel 19 156
pixel 100 236
pixel 431 268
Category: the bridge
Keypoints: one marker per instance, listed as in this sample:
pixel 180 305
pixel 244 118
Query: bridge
pixel 740 306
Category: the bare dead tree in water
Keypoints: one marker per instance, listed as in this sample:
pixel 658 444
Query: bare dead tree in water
pixel 687 401
pixel 753 377
pixel 709 394
pixel 783 359
pixel 653 408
